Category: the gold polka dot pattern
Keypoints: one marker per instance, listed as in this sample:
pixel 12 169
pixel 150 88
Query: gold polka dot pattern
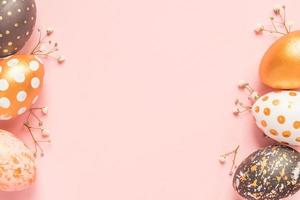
pixel 277 115
pixel 17 20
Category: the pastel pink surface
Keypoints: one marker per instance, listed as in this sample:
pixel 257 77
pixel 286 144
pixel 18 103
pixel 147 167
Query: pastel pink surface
pixel 142 108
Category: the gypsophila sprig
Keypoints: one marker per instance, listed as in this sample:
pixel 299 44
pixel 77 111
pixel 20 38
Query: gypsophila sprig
pixel 279 23
pixel 223 158
pixel 39 133
pixel 47 47
pixel 241 107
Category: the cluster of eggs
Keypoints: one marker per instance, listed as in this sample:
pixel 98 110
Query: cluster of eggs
pixel 21 79
pixel 276 113
pixel 273 173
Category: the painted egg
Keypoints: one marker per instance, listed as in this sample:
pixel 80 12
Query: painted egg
pixel 280 66
pixel 277 115
pixel 21 79
pixel 271 173
pixel 17 163
pixel 17 20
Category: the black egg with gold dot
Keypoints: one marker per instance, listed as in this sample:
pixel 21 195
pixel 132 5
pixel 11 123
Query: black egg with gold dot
pixel 17 20
pixel 271 173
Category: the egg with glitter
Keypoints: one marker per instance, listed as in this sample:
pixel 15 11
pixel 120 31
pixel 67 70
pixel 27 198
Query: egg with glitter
pixel 277 115
pixel 17 163
pixel 271 173
pixel 17 20
pixel 21 79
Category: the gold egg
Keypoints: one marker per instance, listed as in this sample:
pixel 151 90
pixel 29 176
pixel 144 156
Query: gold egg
pixel 280 66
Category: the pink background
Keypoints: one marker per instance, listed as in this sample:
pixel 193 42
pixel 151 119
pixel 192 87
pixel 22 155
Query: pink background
pixel 142 108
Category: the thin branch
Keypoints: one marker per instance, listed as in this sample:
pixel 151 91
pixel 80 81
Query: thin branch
pixel 36 143
pixel 234 153
pixel 30 128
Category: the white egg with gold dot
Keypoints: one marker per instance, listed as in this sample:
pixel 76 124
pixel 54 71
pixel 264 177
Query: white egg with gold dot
pixel 17 163
pixel 277 114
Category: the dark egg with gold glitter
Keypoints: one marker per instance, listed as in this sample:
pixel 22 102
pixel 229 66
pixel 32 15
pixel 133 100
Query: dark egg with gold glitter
pixel 17 20
pixel 271 173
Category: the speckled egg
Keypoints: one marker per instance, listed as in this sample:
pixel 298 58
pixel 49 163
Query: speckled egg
pixel 277 114
pixel 17 20
pixel 21 79
pixel 17 163
pixel 271 173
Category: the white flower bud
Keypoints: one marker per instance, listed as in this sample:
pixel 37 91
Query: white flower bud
pixel 236 111
pixel 242 84
pixel 222 159
pixel 61 59
pixel 259 28
pixel 254 96
pixel 45 132
pixel 45 110
pixel 49 31
pixel 276 9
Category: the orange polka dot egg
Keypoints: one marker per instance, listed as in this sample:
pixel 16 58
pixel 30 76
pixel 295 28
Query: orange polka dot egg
pixel 277 115
pixel 21 79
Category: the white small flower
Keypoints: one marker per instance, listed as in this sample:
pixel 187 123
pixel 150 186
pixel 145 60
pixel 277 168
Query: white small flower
pixel 254 96
pixel 242 84
pixel 61 59
pixel 49 31
pixel 45 110
pixel 259 28
pixel 236 111
pixel 222 159
pixel 45 132
pixel 276 9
